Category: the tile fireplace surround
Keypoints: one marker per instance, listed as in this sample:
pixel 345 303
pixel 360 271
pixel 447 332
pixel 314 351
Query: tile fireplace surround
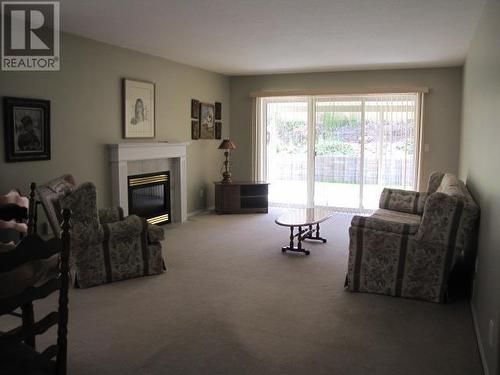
pixel 134 158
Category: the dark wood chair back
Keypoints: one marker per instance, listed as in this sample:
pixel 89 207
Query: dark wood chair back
pixel 22 339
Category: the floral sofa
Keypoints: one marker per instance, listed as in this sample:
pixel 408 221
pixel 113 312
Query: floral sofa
pixel 409 247
pixel 105 246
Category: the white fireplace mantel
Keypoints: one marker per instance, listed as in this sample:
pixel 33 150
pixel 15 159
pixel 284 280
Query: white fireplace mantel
pixel 122 154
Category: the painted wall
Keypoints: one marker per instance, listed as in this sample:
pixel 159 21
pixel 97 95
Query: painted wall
pixel 442 108
pixel 86 115
pixel 479 166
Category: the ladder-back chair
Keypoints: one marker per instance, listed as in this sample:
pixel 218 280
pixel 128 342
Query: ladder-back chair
pixel 18 354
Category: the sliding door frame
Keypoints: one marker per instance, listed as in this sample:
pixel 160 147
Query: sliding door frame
pixel 260 138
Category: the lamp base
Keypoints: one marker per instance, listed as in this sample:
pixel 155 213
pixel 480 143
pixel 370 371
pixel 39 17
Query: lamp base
pixel 226 178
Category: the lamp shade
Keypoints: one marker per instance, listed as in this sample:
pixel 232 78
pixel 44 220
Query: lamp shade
pixel 227 144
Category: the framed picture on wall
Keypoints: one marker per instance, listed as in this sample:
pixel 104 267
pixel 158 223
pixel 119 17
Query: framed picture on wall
pixel 195 108
pixel 195 129
pixel 218 130
pixel 27 129
pixel 206 121
pixel 218 111
pixel 138 109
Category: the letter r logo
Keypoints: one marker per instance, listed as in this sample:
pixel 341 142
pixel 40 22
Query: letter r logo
pixel 28 28
pixel 30 33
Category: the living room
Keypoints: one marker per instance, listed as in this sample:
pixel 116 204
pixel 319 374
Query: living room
pixel 346 131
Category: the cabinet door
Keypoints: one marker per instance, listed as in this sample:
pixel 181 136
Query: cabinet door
pixel 231 197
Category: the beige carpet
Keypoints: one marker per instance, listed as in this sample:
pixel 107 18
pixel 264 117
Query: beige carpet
pixel 231 303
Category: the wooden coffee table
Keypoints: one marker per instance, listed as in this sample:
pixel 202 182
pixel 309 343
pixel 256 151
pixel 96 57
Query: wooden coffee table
pixel 304 225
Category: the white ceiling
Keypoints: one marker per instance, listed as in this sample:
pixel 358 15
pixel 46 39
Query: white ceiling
pixel 257 36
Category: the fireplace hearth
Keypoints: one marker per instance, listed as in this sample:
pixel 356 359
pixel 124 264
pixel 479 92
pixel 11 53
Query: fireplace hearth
pixel 149 196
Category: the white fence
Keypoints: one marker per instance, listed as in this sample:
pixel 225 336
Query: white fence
pixel 344 169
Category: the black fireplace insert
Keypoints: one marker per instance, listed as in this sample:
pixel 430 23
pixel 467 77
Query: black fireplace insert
pixel 149 196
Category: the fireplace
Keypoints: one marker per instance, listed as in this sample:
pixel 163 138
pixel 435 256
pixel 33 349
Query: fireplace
pixel 149 196
pixel 131 158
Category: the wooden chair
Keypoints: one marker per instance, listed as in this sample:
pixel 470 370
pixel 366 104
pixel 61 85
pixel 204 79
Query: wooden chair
pixel 18 353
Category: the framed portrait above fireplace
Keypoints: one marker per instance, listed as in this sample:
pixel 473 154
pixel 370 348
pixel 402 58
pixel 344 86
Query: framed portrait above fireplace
pixel 138 109
pixel 27 129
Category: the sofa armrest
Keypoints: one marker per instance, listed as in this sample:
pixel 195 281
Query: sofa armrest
pixel 435 180
pixel 110 215
pixel 411 202
pixel 441 219
pixel 384 225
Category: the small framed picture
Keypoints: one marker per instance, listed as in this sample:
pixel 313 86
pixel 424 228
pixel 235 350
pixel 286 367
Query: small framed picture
pixel 195 129
pixel 218 111
pixel 195 108
pixel 27 129
pixel 206 121
pixel 218 130
pixel 138 109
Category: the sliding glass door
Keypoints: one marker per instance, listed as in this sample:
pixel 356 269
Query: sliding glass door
pixel 390 145
pixel 287 150
pixel 339 151
pixel 338 145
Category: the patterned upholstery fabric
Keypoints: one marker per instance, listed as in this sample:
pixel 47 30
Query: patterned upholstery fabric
pixel 399 217
pixel 105 246
pixel 110 215
pixel 411 202
pixel 408 255
pixel 434 181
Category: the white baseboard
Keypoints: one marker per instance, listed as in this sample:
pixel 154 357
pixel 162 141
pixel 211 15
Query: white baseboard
pixel 198 212
pixel 479 341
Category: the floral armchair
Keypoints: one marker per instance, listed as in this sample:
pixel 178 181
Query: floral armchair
pixel 105 246
pixel 409 247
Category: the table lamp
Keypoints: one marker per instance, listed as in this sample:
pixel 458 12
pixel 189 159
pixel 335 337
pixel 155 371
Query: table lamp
pixel 227 145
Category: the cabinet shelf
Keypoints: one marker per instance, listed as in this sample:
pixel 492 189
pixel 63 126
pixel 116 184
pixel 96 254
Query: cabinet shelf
pixel 241 197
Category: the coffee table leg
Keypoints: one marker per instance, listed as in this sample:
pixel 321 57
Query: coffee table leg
pixel 291 246
pixel 299 244
pixel 299 240
pixel 318 237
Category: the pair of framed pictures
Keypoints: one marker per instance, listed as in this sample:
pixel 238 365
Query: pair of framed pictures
pixel 27 129
pixel 205 120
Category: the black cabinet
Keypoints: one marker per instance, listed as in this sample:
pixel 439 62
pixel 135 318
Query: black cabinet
pixel 241 197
